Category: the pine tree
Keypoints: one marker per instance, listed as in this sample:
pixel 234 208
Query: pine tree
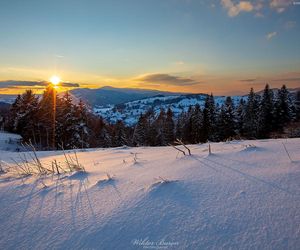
pixel 12 123
pixel 168 128
pixel 196 125
pixel 99 132
pixel 227 123
pixel 266 113
pixel 151 130
pixel 297 105
pixel 159 127
pixel 120 138
pixel 82 130
pixel 28 116
pixel 187 126
pixel 66 122
pixel 140 131
pixel 240 114
pixel 283 108
pixel 46 116
pixel 209 119
pixel 23 116
pixel 250 126
pixel 180 126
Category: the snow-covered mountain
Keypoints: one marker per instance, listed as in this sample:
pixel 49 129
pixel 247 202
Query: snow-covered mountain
pixel 8 99
pixel 129 112
pixel 245 195
pixel 104 95
pixel 111 96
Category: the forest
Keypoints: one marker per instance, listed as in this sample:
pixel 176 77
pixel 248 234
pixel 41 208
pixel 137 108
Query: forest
pixel 258 116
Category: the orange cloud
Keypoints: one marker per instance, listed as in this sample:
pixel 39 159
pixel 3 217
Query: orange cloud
pixel 280 5
pixel 235 9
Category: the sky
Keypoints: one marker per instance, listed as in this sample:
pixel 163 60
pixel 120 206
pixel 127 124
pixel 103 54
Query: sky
pixel 199 46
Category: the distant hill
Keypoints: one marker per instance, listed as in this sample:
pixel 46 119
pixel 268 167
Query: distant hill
pixel 102 96
pixel 109 95
pixel 8 99
pixel 4 105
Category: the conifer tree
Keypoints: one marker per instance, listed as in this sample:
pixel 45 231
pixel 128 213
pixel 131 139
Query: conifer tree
pixel 65 121
pixel 250 126
pixel 180 123
pixel 23 116
pixel 28 116
pixel 12 123
pixel 120 138
pixel 159 125
pixel 227 123
pixel 82 130
pixel 169 127
pixel 196 125
pixel 187 125
pixel 46 116
pixel 266 113
pixel 283 108
pixel 240 114
pixel 209 119
pixel 140 131
pixel 297 105
pixel 151 130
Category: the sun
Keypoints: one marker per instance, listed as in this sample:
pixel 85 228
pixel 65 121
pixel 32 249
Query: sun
pixel 55 80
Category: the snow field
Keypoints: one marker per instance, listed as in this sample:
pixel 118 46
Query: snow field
pixel 245 195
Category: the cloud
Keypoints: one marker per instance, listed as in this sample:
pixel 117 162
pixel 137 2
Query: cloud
pixel 259 15
pixel 33 84
pixel 288 79
pixel 235 9
pixel 290 25
pixel 248 80
pixel 179 63
pixel 166 79
pixel 269 36
pixel 280 5
pixel 70 85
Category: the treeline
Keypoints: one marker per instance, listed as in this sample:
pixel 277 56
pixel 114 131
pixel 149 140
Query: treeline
pixel 257 116
pixel 75 126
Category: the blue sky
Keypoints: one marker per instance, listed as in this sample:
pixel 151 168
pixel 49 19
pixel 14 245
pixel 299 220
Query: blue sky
pixel 222 46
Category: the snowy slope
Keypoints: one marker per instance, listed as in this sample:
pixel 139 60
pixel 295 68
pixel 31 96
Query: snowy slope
pixel 9 142
pixel 246 195
pixel 129 112
pixel 109 95
pixel 7 98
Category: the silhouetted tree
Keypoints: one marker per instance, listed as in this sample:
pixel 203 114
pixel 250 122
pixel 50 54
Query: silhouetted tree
pixel 227 122
pixel 250 126
pixel 266 113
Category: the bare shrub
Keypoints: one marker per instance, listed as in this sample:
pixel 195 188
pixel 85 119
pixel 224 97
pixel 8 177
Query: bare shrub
pixel 180 143
pixel 30 164
pixel 72 161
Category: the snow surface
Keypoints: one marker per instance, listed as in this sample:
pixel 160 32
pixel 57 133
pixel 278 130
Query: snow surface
pixel 9 142
pixel 245 195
